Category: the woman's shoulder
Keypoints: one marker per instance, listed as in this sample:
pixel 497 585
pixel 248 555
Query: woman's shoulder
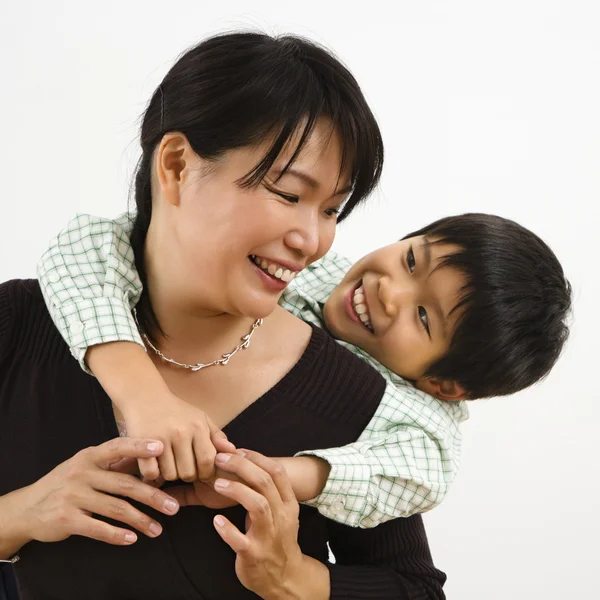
pixel 331 380
pixel 24 318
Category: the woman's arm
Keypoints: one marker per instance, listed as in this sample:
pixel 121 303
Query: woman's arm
pixel 13 531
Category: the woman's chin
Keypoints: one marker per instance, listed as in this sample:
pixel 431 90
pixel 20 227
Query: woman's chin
pixel 258 309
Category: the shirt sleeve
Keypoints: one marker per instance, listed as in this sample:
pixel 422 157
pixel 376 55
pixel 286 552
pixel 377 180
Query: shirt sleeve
pixel 90 284
pixel 403 463
pixel 391 561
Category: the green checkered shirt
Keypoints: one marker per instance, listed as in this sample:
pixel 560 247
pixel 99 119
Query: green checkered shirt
pixel 407 456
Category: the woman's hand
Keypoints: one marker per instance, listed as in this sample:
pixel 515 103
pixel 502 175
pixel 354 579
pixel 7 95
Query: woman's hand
pixel 62 502
pixel 269 560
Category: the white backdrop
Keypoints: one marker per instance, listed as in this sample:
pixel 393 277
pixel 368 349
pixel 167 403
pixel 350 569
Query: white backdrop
pixel 484 106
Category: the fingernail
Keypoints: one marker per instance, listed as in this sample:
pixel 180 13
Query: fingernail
pixel 219 520
pixel 241 452
pixel 153 447
pixel 221 457
pixel 221 483
pixel 171 505
pixel 130 538
pixel 155 529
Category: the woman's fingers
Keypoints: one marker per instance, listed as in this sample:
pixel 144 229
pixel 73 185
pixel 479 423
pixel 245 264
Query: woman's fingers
pixel 120 510
pixel 276 471
pixel 258 507
pixel 231 535
pixel 122 484
pixel 116 449
pixel 103 532
pixel 257 477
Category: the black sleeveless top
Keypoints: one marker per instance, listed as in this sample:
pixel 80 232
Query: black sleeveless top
pixel 50 409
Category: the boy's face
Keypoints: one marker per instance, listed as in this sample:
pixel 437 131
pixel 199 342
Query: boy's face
pixel 405 305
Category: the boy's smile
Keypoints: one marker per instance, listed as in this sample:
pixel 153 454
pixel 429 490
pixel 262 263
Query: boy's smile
pixel 397 304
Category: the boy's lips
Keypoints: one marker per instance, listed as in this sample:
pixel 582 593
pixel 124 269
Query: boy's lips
pixel 351 307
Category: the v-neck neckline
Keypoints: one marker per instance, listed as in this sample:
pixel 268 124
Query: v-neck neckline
pixel 285 386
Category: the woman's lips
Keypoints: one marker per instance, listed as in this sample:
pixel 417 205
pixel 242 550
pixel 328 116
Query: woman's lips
pixel 272 283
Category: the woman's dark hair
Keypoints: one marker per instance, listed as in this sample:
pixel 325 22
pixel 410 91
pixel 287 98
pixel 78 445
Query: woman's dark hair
pixel 234 90
pixel 516 303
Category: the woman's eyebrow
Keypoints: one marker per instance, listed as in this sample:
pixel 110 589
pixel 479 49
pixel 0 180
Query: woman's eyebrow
pixel 309 180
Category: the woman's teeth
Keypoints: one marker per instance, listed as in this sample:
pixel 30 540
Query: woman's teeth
pixel 276 271
pixel 361 309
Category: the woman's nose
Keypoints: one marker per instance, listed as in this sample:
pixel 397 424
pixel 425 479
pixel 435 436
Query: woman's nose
pixel 305 236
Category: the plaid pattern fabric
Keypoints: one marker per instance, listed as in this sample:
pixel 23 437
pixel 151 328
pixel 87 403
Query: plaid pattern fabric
pixel 402 464
pixel 89 283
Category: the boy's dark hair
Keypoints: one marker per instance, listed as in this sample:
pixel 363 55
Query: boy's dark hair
pixel 516 303
pixel 235 89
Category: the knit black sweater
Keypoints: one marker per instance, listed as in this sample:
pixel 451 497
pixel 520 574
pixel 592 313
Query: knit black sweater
pixel 50 409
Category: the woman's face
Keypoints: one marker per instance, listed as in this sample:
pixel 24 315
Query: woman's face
pixel 229 249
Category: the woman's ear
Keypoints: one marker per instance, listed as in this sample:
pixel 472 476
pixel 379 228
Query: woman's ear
pixel 173 157
pixel 442 389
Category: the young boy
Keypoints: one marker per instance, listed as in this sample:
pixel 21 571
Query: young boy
pixel 503 333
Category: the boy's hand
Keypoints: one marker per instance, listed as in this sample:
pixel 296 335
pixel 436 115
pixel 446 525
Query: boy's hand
pixel 188 435
pixel 307 474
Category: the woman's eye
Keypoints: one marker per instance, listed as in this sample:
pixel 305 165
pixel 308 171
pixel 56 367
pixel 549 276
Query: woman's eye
pixel 424 319
pixel 288 197
pixel 410 260
pixel 332 212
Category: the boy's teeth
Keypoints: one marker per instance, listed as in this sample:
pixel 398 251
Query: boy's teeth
pixel 274 270
pixel 361 308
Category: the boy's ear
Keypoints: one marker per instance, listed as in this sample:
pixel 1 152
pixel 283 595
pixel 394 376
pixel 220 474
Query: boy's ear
pixel 442 389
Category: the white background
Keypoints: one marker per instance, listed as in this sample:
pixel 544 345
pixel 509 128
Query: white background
pixel 484 106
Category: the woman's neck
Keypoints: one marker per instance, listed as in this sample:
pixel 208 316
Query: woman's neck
pixel 194 331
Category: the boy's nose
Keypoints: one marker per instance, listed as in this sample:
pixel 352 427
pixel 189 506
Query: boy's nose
pixel 393 295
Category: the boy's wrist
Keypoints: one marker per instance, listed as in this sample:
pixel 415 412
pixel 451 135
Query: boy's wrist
pixel 307 474
pixel 127 374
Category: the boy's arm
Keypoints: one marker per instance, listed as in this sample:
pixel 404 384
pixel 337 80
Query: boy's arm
pixel 89 282
pixel 395 469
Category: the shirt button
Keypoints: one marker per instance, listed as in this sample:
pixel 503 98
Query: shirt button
pixel 54 277
pixel 76 327
pixel 337 507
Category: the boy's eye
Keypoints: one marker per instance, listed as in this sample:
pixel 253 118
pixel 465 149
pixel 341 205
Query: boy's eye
pixel 410 260
pixel 424 319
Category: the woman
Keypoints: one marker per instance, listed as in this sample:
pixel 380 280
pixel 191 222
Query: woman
pixel 250 146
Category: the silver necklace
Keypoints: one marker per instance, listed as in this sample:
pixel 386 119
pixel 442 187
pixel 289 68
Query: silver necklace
pixel 245 342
